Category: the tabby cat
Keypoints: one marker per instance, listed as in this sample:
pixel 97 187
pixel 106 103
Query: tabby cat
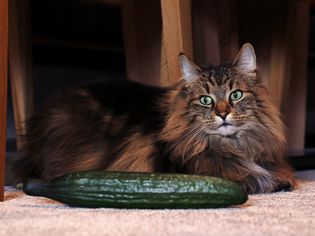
pixel 216 121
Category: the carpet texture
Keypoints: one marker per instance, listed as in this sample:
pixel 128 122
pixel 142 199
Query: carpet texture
pixel 282 213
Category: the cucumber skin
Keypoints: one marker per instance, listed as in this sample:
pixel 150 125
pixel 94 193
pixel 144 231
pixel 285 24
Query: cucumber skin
pixel 96 189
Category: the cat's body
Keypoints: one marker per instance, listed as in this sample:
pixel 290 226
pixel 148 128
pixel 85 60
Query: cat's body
pixel 217 121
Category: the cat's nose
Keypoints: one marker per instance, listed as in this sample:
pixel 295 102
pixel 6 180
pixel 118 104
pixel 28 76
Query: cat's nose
pixel 223 115
pixel 222 110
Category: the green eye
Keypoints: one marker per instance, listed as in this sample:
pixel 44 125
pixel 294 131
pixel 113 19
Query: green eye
pixel 236 95
pixel 206 100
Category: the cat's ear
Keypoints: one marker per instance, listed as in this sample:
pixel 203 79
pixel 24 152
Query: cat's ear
pixel 190 71
pixel 245 61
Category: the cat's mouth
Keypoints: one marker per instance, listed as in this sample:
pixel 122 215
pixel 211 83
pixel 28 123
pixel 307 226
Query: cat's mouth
pixel 225 124
pixel 226 129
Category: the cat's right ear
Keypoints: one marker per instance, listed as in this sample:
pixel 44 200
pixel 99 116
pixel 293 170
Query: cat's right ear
pixel 190 71
pixel 245 61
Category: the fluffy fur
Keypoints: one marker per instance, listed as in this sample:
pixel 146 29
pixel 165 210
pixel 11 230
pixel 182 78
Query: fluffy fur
pixel 197 126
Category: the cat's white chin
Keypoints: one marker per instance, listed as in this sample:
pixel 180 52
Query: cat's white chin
pixel 226 130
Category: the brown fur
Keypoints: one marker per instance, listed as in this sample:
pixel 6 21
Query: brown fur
pixel 135 155
pixel 130 127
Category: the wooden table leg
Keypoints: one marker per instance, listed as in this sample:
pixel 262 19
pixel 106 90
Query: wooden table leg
pixel 3 88
pixel 20 65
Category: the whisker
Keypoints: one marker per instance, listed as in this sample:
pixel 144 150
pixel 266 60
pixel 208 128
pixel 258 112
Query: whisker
pixel 182 138
pixel 201 130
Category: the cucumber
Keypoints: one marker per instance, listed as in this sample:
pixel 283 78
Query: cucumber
pixel 95 189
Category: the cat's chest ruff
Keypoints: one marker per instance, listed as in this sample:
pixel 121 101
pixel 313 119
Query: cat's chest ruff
pixel 230 144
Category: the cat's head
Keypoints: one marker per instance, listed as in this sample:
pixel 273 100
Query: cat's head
pixel 227 102
pixel 223 99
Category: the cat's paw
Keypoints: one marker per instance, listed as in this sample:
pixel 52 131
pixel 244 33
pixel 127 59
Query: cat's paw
pixel 284 187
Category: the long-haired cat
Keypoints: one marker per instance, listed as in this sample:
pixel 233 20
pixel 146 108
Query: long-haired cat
pixel 216 121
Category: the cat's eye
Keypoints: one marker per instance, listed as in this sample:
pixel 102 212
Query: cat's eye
pixel 236 95
pixel 205 100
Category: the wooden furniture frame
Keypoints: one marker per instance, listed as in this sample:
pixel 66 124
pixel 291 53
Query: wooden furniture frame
pixel 3 87
pixel 156 31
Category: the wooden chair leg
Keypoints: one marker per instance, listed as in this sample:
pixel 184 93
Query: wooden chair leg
pixel 177 36
pixel 20 65
pixel 215 32
pixel 295 110
pixel 3 88
pixel 281 44
pixel 155 32
pixel 142 27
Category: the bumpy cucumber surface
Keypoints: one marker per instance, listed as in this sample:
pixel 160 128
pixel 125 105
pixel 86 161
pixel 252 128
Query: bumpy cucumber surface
pixel 138 190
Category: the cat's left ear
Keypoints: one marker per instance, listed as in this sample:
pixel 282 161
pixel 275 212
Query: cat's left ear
pixel 245 61
pixel 190 71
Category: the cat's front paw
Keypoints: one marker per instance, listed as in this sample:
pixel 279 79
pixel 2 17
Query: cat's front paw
pixel 285 180
pixel 285 186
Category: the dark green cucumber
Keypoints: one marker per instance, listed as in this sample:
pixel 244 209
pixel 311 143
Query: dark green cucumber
pixel 138 190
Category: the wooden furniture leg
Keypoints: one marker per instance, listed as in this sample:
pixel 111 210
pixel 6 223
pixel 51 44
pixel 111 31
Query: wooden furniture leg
pixel 215 32
pixel 20 65
pixel 3 88
pixel 142 27
pixel 177 37
pixel 155 32
pixel 294 98
pixel 281 45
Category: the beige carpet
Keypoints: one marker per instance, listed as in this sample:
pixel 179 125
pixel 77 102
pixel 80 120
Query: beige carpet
pixel 283 213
